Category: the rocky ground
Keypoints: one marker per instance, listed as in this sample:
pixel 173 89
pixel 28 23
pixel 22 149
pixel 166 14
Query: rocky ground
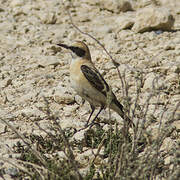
pixel 142 36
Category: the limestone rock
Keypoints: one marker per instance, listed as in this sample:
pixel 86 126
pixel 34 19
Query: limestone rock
pixel 62 95
pixel 117 5
pixel 152 18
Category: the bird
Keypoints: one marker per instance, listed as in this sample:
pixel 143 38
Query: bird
pixel 88 83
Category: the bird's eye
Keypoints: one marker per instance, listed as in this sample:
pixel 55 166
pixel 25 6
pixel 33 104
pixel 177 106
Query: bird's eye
pixel 79 52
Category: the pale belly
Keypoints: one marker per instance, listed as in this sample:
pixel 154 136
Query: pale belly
pixel 87 92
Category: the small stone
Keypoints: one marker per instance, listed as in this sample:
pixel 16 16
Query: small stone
pixel 108 66
pixel 79 136
pixel 62 95
pixel 171 77
pixel 72 35
pixel 67 122
pixel 124 22
pixel 48 61
pixel 63 98
pixel 176 124
pixel 69 110
pixel 61 155
pixel 117 6
pixel 167 144
pixel 48 17
pixel 167 160
pixel 17 3
pixel 153 82
pixel 169 46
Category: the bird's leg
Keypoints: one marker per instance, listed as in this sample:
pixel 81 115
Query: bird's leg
pixel 102 107
pixel 92 123
pixel 92 111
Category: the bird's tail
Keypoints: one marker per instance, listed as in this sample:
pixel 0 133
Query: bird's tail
pixel 117 107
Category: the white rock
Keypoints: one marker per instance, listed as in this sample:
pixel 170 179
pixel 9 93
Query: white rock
pixel 110 46
pixel 172 77
pixel 61 155
pixel 69 110
pixel 44 61
pixel 79 136
pixel 48 17
pixel 175 99
pixel 117 5
pixel 63 95
pixel 17 3
pixel 124 22
pixel 149 80
pixel 67 122
pixel 167 144
pixel 64 98
pixel 153 82
pixel 153 18
pixel 177 124
pixel 168 160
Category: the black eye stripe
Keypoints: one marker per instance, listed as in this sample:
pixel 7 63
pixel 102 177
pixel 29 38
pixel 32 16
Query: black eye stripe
pixel 79 52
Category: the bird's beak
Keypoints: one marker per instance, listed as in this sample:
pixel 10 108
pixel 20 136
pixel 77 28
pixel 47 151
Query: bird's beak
pixel 67 47
pixel 64 46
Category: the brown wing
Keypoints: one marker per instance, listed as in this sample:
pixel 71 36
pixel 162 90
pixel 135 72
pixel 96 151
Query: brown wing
pixel 98 82
pixel 95 79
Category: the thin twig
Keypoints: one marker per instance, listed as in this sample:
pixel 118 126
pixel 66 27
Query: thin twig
pixel 99 147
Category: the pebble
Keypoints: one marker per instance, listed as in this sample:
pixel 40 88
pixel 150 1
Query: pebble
pixel 47 61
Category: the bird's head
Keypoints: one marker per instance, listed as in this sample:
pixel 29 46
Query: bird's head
pixel 78 50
